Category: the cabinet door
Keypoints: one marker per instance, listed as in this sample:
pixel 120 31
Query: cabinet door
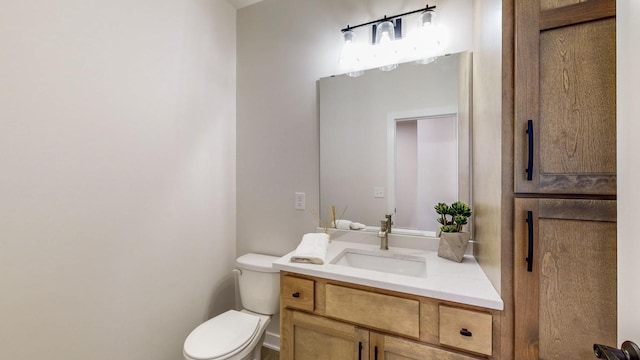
pixel 310 337
pixel 386 347
pixel 565 277
pixel 565 97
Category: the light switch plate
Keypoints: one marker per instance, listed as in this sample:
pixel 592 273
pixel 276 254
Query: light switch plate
pixel 299 201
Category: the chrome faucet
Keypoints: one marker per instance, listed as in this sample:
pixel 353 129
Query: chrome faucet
pixel 383 234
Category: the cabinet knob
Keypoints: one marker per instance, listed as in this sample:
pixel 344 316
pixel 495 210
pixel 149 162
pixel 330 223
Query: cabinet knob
pixel 296 294
pixel 465 332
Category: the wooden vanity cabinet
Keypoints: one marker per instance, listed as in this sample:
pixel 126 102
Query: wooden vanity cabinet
pixel 326 319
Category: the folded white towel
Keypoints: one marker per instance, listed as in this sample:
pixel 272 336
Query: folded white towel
pixel 312 249
pixel 357 226
pixel 343 224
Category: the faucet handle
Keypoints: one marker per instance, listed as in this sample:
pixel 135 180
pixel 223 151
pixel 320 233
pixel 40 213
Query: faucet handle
pixel 383 225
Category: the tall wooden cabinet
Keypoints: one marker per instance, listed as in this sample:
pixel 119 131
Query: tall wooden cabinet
pixel 565 178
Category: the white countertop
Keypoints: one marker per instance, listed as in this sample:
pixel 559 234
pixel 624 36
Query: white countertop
pixel 463 282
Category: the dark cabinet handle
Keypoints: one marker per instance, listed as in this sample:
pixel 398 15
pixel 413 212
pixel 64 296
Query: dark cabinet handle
pixel 375 353
pixel 530 241
pixel 296 295
pixel 465 332
pixel 530 156
pixel 628 351
pixel 359 350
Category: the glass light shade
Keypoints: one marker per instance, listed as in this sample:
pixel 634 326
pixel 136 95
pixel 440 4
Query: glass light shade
pixel 385 49
pixel 425 19
pixel 425 40
pixel 350 57
pixel 385 31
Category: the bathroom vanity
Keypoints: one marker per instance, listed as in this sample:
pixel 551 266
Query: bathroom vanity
pixel 349 309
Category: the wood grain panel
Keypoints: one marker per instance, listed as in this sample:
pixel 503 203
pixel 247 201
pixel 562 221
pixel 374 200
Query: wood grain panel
pixel 565 84
pixel 568 302
pixel 397 348
pixel 362 343
pixel 526 286
pixel 316 338
pixel 577 13
pixel 297 293
pixel 429 322
pixel 578 107
pixel 394 314
pixel 454 320
pixel 554 4
pixel 319 297
pixel 286 333
pixel 577 287
pixel 526 89
pixel 503 324
pixel 591 210
pixel 311 345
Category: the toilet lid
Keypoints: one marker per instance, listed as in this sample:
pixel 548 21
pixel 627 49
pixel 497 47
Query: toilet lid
pixel 222 335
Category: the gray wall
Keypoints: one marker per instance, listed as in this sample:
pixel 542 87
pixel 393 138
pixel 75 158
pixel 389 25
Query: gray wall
pixel 628 51
pixel 117 186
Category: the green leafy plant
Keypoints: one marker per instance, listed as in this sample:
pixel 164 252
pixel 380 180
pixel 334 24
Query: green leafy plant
pixel 453 217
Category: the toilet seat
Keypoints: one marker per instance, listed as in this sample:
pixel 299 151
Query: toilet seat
pixel 222 336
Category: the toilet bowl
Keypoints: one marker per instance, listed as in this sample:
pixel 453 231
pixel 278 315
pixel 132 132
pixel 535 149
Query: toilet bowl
pixel 231 335
pixel 238 335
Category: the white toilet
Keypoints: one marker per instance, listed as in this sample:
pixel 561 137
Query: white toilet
pixel 238 335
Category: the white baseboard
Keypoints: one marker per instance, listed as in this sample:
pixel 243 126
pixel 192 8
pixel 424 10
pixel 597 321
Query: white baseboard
pixel 272 335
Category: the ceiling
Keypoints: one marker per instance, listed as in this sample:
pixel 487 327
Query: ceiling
pixel 242 3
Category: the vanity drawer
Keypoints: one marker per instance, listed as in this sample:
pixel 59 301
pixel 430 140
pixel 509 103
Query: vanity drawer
pixel 297 293
pixel 466 329
pixel 385 312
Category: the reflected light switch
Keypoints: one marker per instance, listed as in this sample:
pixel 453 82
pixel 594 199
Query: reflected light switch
pixel 299 201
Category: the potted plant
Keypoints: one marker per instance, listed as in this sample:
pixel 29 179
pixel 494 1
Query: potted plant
pixel 453 242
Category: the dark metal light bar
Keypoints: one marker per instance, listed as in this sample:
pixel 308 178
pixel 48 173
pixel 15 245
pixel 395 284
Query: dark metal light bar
pixel 385 18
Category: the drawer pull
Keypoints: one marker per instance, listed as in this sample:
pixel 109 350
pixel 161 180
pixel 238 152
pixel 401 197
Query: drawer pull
pixel 296 294
pixel 360 350
pixel 529 241
pixel 465 332
pixel 375 353
pixel 529 169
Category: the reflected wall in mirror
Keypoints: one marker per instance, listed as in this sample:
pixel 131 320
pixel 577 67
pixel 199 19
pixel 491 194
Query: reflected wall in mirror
pixel 396 142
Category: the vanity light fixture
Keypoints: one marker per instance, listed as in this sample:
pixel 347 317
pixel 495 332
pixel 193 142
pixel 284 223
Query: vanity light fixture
pixel 388 47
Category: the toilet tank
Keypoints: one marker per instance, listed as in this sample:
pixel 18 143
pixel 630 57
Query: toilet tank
pixel 259 283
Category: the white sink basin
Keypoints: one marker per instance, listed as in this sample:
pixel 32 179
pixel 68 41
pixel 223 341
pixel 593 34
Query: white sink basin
pixel 383 261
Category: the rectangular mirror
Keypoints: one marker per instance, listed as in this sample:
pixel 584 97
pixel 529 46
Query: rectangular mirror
pixel 397 142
